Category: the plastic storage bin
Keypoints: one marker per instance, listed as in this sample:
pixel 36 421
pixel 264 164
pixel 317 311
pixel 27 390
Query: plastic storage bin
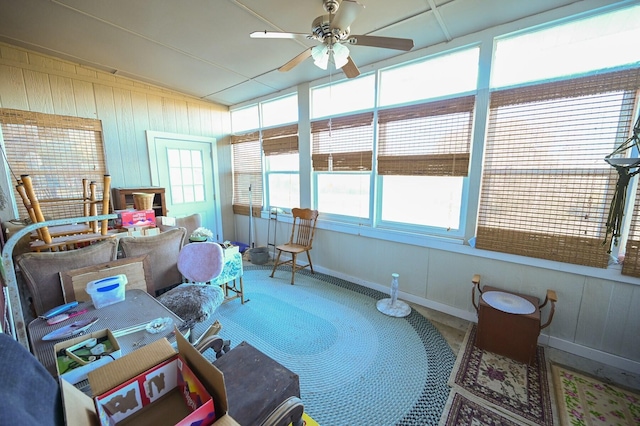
pixel 107 291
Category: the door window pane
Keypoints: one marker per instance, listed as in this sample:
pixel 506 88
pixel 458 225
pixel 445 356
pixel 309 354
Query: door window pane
pixel 186 175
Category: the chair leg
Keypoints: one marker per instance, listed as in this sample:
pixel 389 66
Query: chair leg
pixel 310 264
pixel 275 264
pixel 293 267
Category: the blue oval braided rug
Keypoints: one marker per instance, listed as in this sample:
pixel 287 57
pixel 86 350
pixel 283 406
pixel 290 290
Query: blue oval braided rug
pixel 357 366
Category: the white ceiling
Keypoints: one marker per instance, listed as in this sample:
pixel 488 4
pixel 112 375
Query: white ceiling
pixel 202 47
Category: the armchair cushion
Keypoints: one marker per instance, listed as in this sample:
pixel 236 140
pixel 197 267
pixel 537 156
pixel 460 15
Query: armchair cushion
pixel 41 271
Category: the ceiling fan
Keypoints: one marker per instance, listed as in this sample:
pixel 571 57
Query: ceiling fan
pixel 333 31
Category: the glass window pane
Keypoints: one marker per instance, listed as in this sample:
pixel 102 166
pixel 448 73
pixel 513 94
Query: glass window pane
pixel 198 193
pixel 174 157
pixel 283 163
pixel 351 95
pixel 344 194
pixel 432 201
pixel 196 158
pixel 185 158
pixel 284 190
pixel 175 176
pixel 189 196
pixel 245 119
pixel 590 44
pixel 187 177
pixel 176 194
pixel 280 111
pixel 424 80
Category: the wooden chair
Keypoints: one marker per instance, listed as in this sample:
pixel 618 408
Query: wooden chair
pixel 302 232
pixel 66 237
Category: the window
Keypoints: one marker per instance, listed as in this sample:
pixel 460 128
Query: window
pixel 595 43
pixel 279 111
pixel 247 174
pixel 443 75
pixel 57 152
pixel 280 147
pixel 423 154
pixel 546 188
pixel 344 97
pixel 245 119
pixel 186 174
pixel 342 153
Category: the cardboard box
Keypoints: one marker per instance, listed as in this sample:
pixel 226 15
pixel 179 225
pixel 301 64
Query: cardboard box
pixel 80 410
pixel 172 384
pixel 79 374
pixel 134 218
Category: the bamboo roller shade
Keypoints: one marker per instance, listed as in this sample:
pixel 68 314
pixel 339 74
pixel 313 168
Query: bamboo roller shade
pixel 57 152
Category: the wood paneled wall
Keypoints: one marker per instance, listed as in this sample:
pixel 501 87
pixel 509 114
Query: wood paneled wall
pixel 127 108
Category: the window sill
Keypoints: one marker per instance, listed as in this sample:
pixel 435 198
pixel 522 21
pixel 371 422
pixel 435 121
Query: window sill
pixel 456 245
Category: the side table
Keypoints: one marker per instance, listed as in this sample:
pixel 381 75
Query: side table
pixel 504 331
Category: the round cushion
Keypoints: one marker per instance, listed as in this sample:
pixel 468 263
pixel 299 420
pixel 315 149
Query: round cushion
pixel 193 302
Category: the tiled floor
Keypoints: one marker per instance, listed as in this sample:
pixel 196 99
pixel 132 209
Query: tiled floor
pixel 453 329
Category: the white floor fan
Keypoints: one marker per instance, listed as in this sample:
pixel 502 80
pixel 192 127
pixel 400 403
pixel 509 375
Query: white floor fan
pixel 333 32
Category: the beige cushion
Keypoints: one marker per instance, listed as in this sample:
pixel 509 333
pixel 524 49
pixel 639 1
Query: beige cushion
pixel 163 250
pixel 190 223
pixel 41 271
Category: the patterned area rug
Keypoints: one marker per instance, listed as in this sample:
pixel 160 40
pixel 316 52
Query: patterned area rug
pixel 509 389
pixel 584 400
pixel 357 366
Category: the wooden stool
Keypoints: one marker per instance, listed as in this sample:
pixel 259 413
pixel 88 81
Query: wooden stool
pixel 514 335
pixel 256 385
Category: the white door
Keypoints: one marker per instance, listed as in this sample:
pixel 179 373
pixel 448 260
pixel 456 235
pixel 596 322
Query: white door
pixel 186 166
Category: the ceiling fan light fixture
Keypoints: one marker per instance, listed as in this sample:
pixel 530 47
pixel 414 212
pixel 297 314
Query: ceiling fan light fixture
pixel 320 55
pixel 340 55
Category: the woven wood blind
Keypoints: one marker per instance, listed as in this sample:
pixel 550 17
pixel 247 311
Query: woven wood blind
pixel 631 264
pixel 57 152
pixel 546 189
pixel 429 139
pixel 280 140
pixel 346 141
pixel 247 171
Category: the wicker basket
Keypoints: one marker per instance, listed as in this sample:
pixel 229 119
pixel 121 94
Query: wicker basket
pixel 142 201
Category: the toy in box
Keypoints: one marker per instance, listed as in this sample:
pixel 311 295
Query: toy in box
pixel 76 357
pixel 170 384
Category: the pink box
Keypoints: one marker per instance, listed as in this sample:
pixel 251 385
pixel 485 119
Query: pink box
pixel 130 218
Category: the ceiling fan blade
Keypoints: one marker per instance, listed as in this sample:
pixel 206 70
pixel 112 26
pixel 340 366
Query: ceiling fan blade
pixel 275 34
pixel 295 61
pixel 350 69
pixel 346 14
pixel 386 42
